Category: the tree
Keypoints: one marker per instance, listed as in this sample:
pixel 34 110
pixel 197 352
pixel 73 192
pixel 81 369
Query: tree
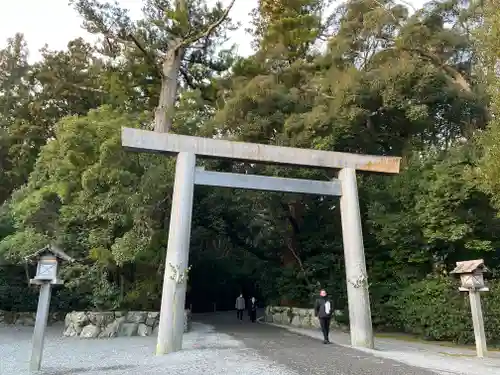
pixel 388 83
pixel 16 94
pixel 369 93
pixel 69 82
pixel 395 98
pixel 287 29
pixel 489 168
pixel 175 39
pixel 15 85
pixel 75 197
pixel 35 96
pixel 434 214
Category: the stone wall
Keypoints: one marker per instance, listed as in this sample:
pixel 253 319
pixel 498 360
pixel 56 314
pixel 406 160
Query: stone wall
pixel 115 324
pixel 297 317
pixel 26 318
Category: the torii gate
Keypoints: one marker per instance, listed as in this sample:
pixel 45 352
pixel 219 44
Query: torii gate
pixel 187 148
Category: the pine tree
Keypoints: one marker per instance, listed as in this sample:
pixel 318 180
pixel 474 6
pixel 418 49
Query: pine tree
pixel 175 39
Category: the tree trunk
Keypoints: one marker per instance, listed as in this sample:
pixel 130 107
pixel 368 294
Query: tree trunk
pixel 291 255
pixel 170 70
pixel 164 113
pixel 171 65
pixel 290 252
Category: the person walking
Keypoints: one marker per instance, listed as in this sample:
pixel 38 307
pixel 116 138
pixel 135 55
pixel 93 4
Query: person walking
pixel 252 309
pixel 323 310
pixel 240 307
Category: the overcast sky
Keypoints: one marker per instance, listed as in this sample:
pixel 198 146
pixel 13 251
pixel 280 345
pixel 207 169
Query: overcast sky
pixel 54 22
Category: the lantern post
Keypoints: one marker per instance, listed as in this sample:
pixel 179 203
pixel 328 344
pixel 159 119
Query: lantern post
pixel 471 276
pixel 48 260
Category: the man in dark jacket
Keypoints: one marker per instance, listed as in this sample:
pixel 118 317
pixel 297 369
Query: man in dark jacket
pixel 252 309
pixel 323 310
pixel 240 306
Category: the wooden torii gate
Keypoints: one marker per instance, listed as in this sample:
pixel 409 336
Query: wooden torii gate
pixel 188 148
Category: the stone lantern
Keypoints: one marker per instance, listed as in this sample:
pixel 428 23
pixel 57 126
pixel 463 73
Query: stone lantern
pixel 471 275
pixel 48 260
pixel 472 279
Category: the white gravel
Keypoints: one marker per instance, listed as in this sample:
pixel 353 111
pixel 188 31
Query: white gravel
pixel 204 352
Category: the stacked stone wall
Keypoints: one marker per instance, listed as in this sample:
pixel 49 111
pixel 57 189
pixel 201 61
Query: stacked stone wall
pixel 297 317
pixel 89 324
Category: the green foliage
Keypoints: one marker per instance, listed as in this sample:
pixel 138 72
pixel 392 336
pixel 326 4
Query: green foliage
pixel 435 213
pixel 139 48
pixel 36 96
pixel 488 36
pixel 434 309
pixel 287 29
pixel 386 83
pixel 16 294
pixel 89 195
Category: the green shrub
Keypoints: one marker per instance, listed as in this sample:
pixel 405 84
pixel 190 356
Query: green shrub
pixel 15 293
pixel 491 310
pixel 434 309
pixel 385 316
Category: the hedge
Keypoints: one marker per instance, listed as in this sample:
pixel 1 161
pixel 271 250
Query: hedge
pixel 434 309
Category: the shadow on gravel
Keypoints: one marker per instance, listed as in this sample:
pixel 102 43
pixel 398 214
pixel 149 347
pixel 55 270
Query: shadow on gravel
pixel 81 370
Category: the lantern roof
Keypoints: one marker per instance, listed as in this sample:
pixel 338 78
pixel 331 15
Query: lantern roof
pixel 52 250
pixel 470 266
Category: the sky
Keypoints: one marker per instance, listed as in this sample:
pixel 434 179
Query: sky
pixel 55 22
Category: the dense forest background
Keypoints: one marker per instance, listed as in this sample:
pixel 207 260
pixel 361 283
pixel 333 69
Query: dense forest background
pixel 371 76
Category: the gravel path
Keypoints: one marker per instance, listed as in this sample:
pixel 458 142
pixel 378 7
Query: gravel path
pixel 219 344
pixel 306 355
pixel 205 352
pixel 446 360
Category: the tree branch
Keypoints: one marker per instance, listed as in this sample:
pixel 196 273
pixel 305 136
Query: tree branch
pixel 151 59
pixel 192 85
pixel 290 241
pixel 86 88
pixel 138 45
pixel 188 79
pixel 209 30
pixel 457 77
pixel 299 261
